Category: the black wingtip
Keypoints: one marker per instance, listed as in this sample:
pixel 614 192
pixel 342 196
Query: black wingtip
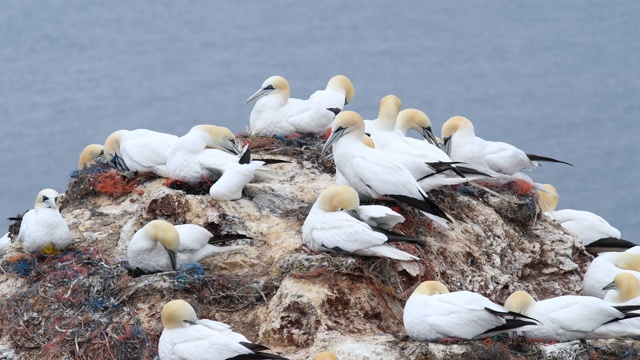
pixel 335 111
pixel 612 243
pixel 246 157
pixel 426 205
pixel 533 157
pixel 510 325
pixel 396 237
pixel 273 161
pixel 471 171
pixel 227 237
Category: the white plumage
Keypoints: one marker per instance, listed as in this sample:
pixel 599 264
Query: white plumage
pixel 42 228
pixel 571 317
pixel 432 313
pixel 491 157
pixel 329 228
pixel 338 93
pixel 160 246
pixel 185 337
pixel 596 234
pixel 138 150
pixel 210 153
pixel 276 114
pixel 605 267
pixel 372 173
pixel 379 128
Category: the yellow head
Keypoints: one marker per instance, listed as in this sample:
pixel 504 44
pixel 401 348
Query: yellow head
pixel 178 313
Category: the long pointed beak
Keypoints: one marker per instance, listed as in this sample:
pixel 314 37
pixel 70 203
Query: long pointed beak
pixel 101 159
pixel 447 145
pixel 172 257
pixel 50 203
pixel 610 286
pixel 233 147
pixel 428 134
pixel 335 135
pixel 260 93
pixel 119 163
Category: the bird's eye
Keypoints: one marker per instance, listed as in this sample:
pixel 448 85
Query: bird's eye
pixel 269 87
pixel 44 198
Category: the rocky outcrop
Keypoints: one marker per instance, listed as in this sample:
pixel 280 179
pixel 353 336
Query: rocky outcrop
pixel 85 304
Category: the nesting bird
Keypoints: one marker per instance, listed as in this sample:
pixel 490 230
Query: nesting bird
pixel 414 119
pixel 210 153
pixel 42 228
pixel 161 246
pixel 491 157
pixel 372 173
pixel 338 93
pixel 605 267
pixel 432 313
pixel 276 114
pixel 337 222
pixel 89 155
pixel 623 290
pixel 186 337
pixel 138 151
pixel 573 317
pixel 596 234
pixel 385 124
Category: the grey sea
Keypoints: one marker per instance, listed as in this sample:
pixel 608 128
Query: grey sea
pixel 555 78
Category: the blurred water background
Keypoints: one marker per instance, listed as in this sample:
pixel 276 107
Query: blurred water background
pixel 555 78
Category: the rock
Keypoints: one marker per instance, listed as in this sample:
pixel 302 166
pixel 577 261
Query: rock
pixel 84 304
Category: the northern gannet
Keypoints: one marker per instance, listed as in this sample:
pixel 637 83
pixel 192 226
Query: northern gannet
pixel 336 222
pixel 570 317
pixel 372 173
pixel 186 337
pixel 490 157
pixel 161 246
pixel 338 93
pixel 596 234
pixel 89 155
pixel 138 150
pixel 42 228
pixel 276 114
pixel 433 313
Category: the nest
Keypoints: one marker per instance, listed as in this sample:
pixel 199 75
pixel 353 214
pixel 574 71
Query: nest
pixel 99 179
pixel 303 148
pixel 81 305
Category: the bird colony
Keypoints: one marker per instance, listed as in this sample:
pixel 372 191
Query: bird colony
pixel 389 190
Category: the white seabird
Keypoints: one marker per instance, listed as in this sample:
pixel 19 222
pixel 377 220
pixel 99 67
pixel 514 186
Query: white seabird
pixel 415 154
pixel 138 150
pixel 386 121
pixel 210 153
pixel 329 228
pixel 276 114
pixel 571 317
pixel 186 337
pixel 160 246
pixel 414 119
pixel 605 267
pixel 372 173
pixel 596 234
pixel 433 313
pixel 338 93
pixel 623 290
pixel 89 155
pixel 490 157
pixel 42 228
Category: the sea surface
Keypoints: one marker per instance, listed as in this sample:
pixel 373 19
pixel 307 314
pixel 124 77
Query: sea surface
pixel 555 78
